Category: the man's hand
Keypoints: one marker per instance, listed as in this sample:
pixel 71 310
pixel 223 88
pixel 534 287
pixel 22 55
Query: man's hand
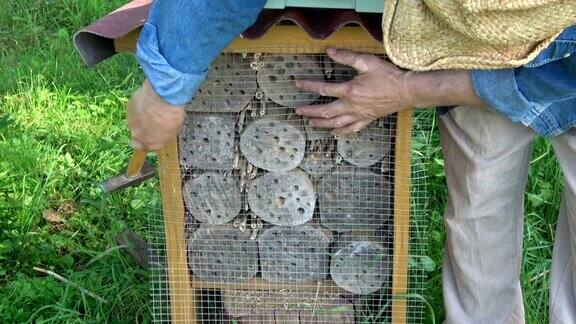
pixel 152 121
pixel 379 89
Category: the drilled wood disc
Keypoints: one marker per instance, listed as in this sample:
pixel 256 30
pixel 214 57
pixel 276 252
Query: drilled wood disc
pixel 354 199
pixel 344 239
pixel 229 87
pixel 207 141
pixel 293 254
pixel 315 133
pixel 316 164
pixel 273 145
pixel 361 268
pixel 366 147
pixel 223 254
pixel 285 199
pixel 213 198
pixel 272 111
pixel 279 72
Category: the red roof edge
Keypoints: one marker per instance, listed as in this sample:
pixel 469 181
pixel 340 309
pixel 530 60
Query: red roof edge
pixel 95 43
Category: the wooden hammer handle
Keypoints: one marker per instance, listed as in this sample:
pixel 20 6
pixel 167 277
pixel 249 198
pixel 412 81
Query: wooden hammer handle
pixel 136 163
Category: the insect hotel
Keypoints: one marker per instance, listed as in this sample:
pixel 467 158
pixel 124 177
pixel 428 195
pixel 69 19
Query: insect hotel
pixel 264 218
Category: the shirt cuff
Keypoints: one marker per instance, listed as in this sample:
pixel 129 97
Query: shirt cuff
pixel 499 90
pixel 172 85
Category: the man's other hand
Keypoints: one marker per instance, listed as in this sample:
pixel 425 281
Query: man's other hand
pixel 379 89
pixel 152 121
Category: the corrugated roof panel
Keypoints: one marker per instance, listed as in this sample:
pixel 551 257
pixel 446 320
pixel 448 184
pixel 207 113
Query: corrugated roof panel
pixel 95 43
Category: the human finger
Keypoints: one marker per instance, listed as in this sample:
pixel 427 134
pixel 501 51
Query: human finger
pixel 336 122
pixel 324 88
pixel 329 110
pixel 359 61
pixel 351 128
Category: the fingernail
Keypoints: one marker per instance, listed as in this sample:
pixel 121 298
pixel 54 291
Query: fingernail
pixel 298 84
pixel 331 50
pixel 311 123
pixel 298 112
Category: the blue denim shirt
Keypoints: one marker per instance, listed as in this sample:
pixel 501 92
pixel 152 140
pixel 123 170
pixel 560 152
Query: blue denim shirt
pixel 181 38
pixel 542 94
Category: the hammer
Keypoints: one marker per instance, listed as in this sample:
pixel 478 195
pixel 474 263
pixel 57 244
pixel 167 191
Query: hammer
pixel 138 171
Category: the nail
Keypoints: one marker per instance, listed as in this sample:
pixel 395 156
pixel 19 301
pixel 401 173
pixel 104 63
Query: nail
pixel 298 112
pixel 331 50
pixel 298 84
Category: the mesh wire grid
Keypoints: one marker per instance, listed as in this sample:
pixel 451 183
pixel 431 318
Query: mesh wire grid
pixel 285 223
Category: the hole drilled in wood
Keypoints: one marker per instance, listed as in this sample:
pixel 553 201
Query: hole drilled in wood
pixel 273 198
pixel 277 80
pixel 213 198
pixel 273 145
pixel 225 90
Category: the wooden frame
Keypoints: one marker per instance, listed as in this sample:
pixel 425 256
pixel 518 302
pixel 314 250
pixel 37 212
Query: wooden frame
pixel 182 287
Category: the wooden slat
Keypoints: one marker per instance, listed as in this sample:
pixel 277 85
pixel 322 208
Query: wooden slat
pixel 182 294
pixel 283 40
pixel 282 316
pixel 402 178
pixel 261 284
pixel 292 39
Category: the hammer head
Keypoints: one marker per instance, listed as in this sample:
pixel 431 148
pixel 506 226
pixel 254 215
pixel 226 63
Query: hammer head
pixel 122 181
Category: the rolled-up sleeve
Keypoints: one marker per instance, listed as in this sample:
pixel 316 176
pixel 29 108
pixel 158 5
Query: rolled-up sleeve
pixel 542 97
pixel 181 38
pixel 499 90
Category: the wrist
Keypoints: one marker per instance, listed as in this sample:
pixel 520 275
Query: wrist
pixel 408 99
pixel 442 88
pixel 422 89
pixel 158 102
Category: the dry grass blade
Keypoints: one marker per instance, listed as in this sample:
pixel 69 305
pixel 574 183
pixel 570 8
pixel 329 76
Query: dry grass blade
pixel 68 282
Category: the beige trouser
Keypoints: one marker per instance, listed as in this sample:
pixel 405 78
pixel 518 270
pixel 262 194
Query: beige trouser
pixel 487 159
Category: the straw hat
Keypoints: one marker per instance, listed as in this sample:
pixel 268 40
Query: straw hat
pixel 471 34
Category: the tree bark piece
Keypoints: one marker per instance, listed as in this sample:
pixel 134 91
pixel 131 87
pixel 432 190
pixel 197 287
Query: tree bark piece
pixel 223 254
pixel 294 254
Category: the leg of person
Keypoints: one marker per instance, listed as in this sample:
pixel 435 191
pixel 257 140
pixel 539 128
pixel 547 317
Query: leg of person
pixel 486 159
pixel 563 282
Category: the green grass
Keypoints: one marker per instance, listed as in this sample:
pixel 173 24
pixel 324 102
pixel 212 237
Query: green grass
pixel 62 129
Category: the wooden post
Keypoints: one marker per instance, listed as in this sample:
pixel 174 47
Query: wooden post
pixel 402 176
pixel 182 293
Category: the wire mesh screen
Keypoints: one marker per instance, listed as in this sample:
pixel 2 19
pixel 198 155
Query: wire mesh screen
pixel 284 222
